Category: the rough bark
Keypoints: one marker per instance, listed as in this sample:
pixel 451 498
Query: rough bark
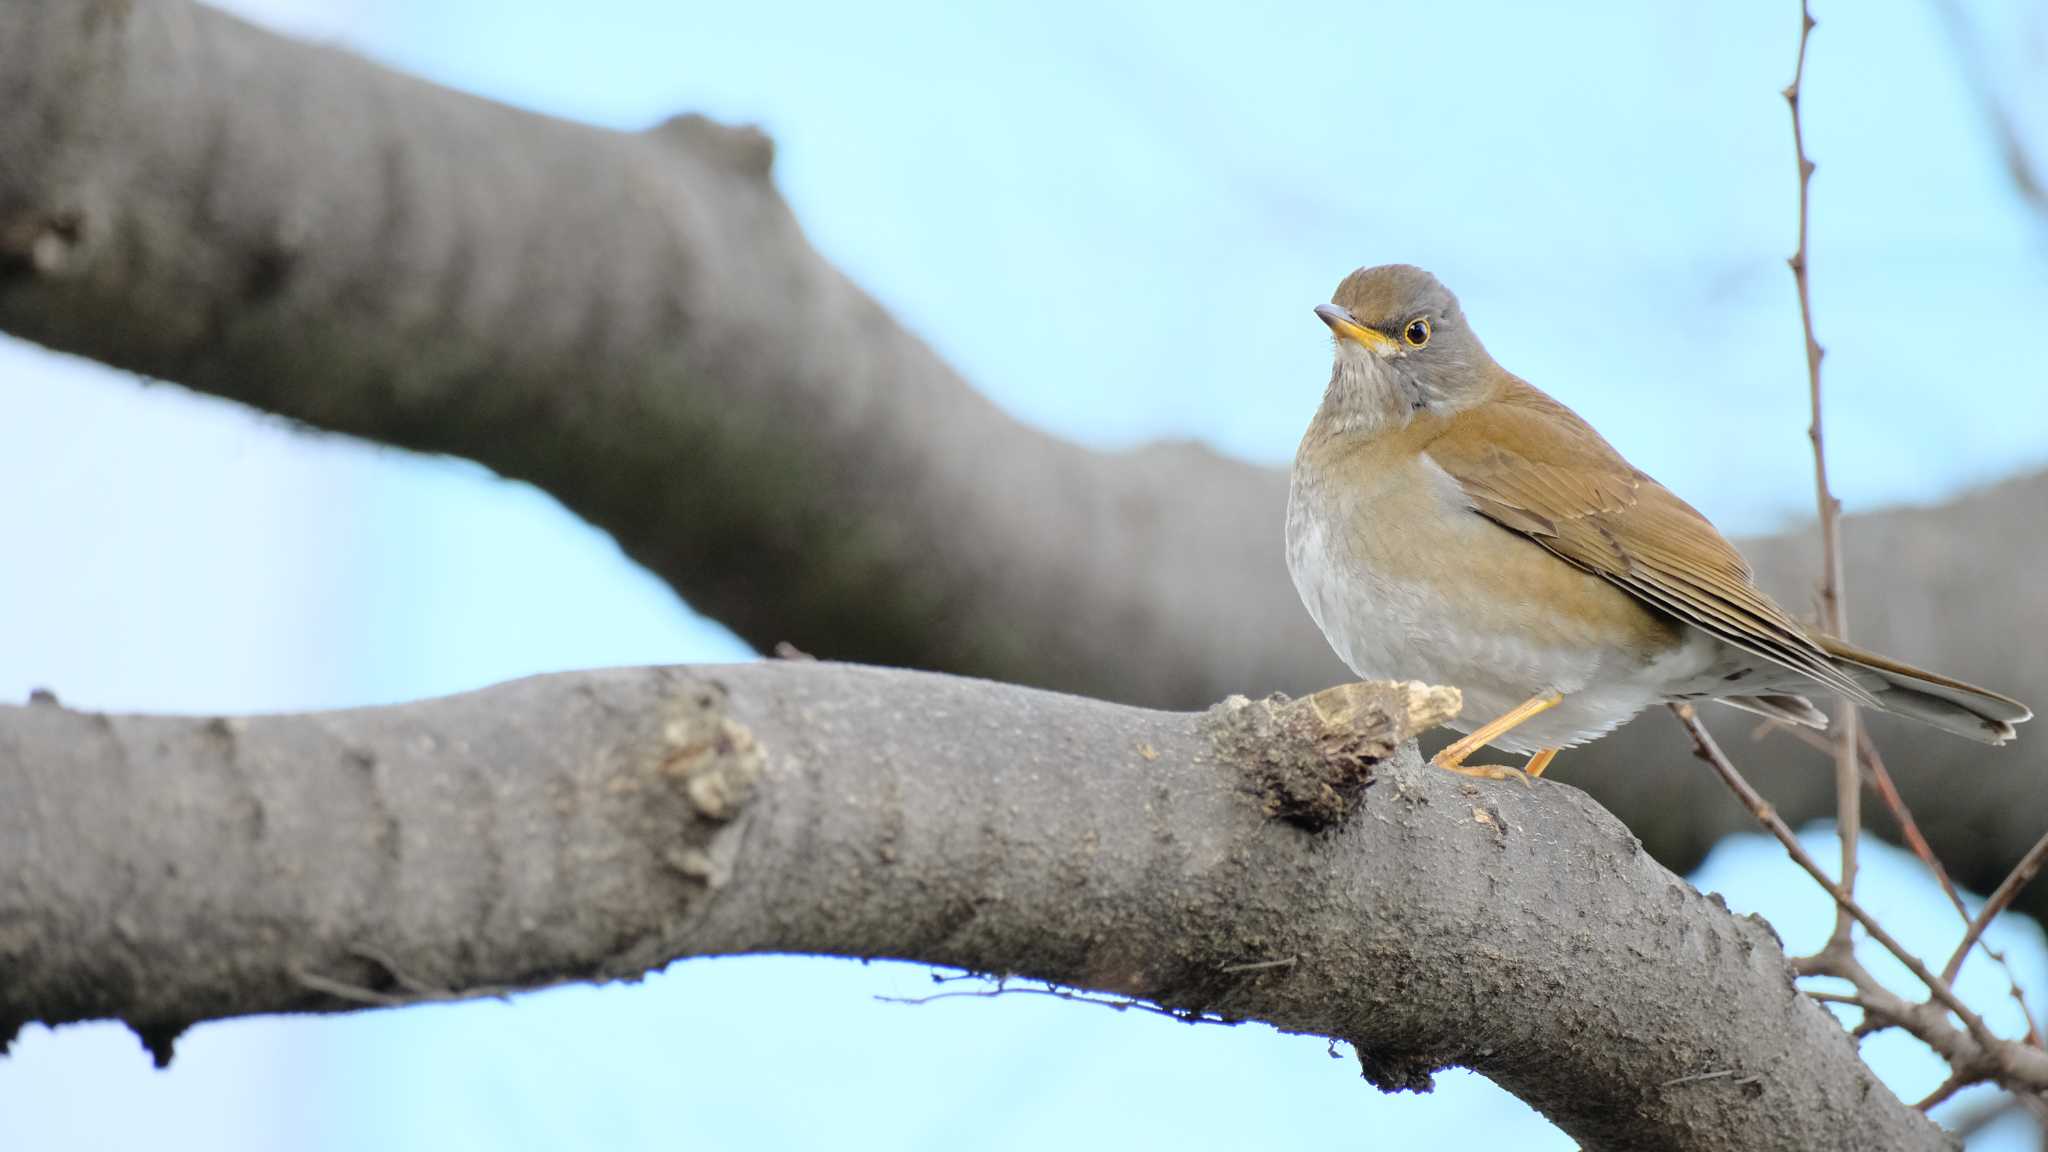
pixel 593 826
pixel 636 324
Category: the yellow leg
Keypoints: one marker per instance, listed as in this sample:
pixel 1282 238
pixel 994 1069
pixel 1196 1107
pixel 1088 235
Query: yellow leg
pixel 1452 758
pixel 1540 761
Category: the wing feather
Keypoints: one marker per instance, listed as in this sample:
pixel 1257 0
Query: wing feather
pixel 1531 465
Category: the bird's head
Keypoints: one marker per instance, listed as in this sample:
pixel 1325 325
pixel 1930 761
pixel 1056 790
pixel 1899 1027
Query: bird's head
pixel 1402 347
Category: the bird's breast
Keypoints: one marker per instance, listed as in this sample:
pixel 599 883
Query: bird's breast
pixel 1406 581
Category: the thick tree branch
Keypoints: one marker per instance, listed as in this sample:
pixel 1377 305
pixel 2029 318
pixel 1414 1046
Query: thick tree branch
pixel 594 826
pixel 633 322
pixel 636 324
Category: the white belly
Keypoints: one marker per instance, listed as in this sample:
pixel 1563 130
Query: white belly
pixel 1385 626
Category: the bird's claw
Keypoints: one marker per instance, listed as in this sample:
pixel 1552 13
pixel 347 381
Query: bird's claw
pixel 1487 772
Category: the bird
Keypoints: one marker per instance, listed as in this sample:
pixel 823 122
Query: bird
pixel 1448 521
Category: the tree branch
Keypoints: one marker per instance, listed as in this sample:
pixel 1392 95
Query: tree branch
pixel 1833 594
pixel 635 323
pixel 594 826
pixel 1974 1053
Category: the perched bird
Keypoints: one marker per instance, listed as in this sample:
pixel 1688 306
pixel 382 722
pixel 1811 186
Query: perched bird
pixel 1449 522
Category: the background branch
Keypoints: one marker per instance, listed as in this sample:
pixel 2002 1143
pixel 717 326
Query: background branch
pixel 613 317
pixel 593 826
pixel 2020 162
pixel 1833 593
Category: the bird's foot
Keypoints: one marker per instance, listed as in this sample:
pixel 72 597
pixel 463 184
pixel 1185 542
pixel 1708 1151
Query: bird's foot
pixel 1452 758
pixel 1481 771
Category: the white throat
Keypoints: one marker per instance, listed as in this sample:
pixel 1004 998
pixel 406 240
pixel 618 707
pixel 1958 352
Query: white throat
pixel 1367 396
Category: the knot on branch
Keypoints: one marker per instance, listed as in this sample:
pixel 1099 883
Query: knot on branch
pixel 713 756
pixel 740 147
pixel 40 243
pixel 1393 1071
pixel 1311 759
pixel 690 795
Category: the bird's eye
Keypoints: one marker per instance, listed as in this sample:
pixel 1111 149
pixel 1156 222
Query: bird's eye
pixel 1416 333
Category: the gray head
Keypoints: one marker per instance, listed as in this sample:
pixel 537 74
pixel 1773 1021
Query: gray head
pixel 1402 347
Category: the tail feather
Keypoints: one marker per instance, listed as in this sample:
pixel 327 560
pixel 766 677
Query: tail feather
pixel 1950 705
pixel 1781 706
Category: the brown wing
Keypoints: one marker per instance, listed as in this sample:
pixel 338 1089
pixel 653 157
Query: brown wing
pixel 1531 465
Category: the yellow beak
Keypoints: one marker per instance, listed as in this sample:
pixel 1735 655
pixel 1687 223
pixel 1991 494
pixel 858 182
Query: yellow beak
pixel 1346 328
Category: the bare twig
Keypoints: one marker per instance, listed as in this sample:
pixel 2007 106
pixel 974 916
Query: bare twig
pixel 2019 162
pixel 1974 1053
pixel 1909 829
pixel 1848 788
pixel 2028 867
pixel 1114 1003
pixel 1833 961
pixel 1955 1083
pixel 370 997
pixel 1970 1119
pixel 399 975
pixel 353 993
pixel 956 977
pixel 1880 780
pixel 412 990
pixel 1850 745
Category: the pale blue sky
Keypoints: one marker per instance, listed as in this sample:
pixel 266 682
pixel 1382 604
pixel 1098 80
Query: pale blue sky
pixel 1114 219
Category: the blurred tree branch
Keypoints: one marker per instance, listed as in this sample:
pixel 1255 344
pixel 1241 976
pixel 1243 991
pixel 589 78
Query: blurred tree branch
pixel 598 825
pixel 2021 165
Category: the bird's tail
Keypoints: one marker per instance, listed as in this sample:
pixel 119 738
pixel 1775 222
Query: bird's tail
pixel 1781 706
pixel 1928 697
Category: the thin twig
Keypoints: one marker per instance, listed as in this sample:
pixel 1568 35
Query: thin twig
pixel 1949 1087
pixel 955 977
pixel 1909 829
pixel 1975 1054
pixel 2028 867
pixel 1848 787
pixel 1970 1119
pixel 1705 747
pixel 414 990
pixel 1117 1003
pixel 2019 163
pixel 1967 1120
pixel 354 994
pixel 1848 739
pixel 1881 781
pixel 399 975
pixel 357 994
